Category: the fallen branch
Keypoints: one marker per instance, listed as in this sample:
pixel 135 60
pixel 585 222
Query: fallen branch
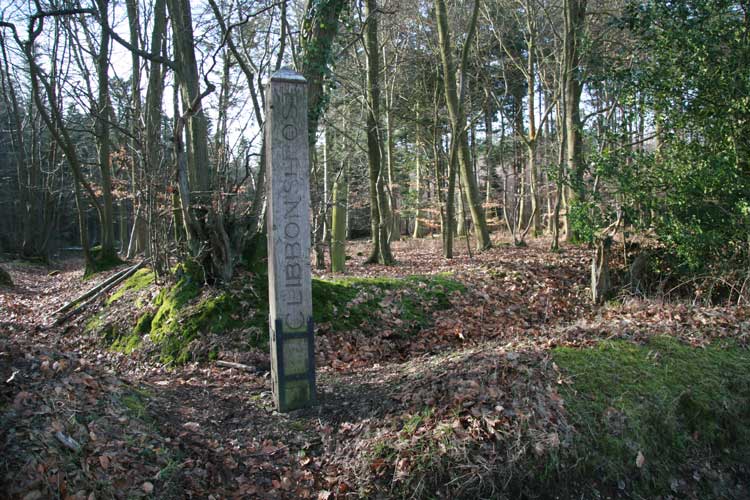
pixel 92 291
pixel 239 366
pixel 68 441
pixel 95 293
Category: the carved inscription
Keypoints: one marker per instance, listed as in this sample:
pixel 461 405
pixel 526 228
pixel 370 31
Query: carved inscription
pixel 290 216
pixel 289 277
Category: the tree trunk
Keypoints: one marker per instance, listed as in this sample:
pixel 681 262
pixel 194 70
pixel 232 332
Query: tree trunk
pixel 418 225
pixel 153 132
pixel 488 154
pixel 318 204
pixel 196 126
pixel 317 44
pixel 102 120
pixel 445 202
pixel 83 228
pixel 458 116
pixel 380 223
pixel 574 13
pixel 338 223
pixel 393 191
pixel 461 217
pixel 207 238
pixel 560 186
pixel 601 285
pixel 139 234
pixel 531 145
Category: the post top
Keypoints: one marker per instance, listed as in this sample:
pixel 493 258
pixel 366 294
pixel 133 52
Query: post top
pixel 287 74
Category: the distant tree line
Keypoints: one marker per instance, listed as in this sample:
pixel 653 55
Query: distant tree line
pixel 564 119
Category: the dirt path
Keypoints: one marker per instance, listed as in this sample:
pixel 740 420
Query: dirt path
pixel 482 369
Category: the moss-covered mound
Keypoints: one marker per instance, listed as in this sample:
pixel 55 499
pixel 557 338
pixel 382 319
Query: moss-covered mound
pixel 142 279
pixel 649 416
pixel 186 310
pixel 619 420
pixel 345 304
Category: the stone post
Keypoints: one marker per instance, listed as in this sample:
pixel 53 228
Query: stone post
pixel 289 280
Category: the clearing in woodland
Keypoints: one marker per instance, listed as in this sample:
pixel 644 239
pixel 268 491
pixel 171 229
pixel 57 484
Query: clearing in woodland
pixel 489 376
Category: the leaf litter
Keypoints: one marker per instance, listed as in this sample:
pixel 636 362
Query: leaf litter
pixel 429 412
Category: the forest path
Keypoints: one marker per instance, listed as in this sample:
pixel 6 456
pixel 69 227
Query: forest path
pixel 201 429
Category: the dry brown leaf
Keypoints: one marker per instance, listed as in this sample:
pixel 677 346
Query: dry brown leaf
pixel 640 460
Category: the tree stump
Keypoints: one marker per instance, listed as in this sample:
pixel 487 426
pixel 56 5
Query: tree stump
pixel 5 279
pixel 601 285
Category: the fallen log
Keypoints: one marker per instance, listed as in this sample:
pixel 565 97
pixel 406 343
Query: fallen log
pixel 95 293
pixel 94 290
pixel 238 366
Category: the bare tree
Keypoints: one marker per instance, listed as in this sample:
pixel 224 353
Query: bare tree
pixel 454 99
pixel 379 213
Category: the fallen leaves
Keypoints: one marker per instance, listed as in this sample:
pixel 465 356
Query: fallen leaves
pixel 480 368
pixel 192 426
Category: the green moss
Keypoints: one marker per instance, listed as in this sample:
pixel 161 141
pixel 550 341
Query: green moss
pixel 94 323
pixel 143 324
pixel 673 403
pixel 171 299
pixel 136 402
pixel 165 325
pixel 126 343
pixel 217 314
pixel 179 317
pixel 114 338
pixel 142 279
pixel 350 302
pixel 344 303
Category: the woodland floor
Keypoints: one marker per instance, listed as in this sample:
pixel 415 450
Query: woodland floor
pixel 470 405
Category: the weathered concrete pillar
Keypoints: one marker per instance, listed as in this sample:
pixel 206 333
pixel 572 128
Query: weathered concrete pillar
pixel 289 281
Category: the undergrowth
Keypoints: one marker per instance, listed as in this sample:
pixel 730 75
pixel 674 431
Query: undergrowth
pixel 101 262
pixel 183 311
pixel 638 421
pixel 647 414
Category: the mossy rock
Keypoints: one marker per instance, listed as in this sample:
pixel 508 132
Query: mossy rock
pixel 113 336
pixel 143 324
pixel 5 279
pixel 178 323
pixel 126 343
